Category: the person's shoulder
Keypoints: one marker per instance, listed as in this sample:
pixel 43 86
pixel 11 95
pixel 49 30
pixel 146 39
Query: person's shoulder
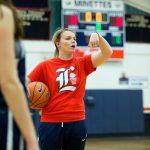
pixel 53 60
pixel 6 20
pixel 6 24
pixel 46 61
pixel 6 12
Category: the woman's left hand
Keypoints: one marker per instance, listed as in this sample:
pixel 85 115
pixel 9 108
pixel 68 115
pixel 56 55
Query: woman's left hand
pixel 94 40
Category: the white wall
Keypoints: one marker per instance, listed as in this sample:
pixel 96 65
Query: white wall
pixel 135 64
pixel 36 51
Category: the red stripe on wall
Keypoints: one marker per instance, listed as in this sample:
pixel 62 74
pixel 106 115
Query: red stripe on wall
pixel 118 54
pixel 147 108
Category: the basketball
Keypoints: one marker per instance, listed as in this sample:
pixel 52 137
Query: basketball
pixel 38 94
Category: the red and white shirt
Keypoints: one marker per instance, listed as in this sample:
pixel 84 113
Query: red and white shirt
pixel 66 80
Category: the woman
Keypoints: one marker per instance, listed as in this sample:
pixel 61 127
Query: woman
pixel 63 119
pixel 12 97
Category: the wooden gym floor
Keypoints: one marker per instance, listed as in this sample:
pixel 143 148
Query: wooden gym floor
pixel 127 143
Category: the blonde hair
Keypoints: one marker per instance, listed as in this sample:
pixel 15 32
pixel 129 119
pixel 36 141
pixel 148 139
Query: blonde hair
pixel 56 38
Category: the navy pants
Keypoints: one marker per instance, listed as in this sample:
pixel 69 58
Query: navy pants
pixel 62 136
pixel 10 137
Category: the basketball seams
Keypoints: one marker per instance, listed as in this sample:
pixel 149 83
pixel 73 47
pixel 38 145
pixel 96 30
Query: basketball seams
pixel 40 104
pixel 39 96
pixel 34 90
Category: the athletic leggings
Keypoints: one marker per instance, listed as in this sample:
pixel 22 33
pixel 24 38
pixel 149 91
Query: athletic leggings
pixel 10 138
pixel 62 136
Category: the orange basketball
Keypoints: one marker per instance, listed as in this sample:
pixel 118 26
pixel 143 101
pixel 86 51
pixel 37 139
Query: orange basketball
pixel 39 94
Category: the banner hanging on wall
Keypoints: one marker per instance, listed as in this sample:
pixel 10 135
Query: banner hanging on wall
pixel 31 3
pixel 137 28
pixel 36 23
